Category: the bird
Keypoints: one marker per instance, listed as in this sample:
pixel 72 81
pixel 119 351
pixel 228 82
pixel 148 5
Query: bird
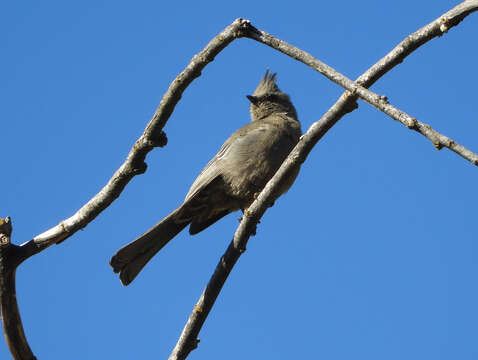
pixel 230 181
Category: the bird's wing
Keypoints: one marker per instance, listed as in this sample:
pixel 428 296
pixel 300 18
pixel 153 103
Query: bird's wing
pixel 208 174
pixel 239 144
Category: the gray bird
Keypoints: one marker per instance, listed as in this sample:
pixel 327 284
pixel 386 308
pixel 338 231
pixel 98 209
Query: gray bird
pixel 230 181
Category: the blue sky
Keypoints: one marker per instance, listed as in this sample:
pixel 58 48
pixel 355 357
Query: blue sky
pixel 372 254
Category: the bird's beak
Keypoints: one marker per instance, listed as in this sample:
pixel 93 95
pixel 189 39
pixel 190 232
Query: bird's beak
pixel 252 99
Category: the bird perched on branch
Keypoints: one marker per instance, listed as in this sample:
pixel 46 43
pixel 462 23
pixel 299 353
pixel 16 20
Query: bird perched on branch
pixel 230 181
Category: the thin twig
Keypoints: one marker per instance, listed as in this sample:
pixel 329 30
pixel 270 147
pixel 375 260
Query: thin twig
pixel 188 339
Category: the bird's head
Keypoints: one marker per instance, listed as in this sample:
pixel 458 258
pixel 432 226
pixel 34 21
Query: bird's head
pixel 267 99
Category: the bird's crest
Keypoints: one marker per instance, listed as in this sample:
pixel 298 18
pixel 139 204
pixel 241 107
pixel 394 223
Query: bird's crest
pixel 267 85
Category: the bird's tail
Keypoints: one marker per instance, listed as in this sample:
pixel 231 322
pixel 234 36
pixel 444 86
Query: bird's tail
pixel 130 259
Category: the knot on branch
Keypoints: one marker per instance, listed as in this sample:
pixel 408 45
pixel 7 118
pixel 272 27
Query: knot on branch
pixel 351 100
pixel 244 28
pixel 4 239
pixel 139 168
pixel 191 345
pixel 8 254
pixel 437 144
pixel 444 27
pixel 251 224
pixel 350 106
pixel 158 140
pixel 5 228
pixel 412 124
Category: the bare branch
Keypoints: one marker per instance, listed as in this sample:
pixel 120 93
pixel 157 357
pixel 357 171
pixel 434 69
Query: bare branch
pixel 188 340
